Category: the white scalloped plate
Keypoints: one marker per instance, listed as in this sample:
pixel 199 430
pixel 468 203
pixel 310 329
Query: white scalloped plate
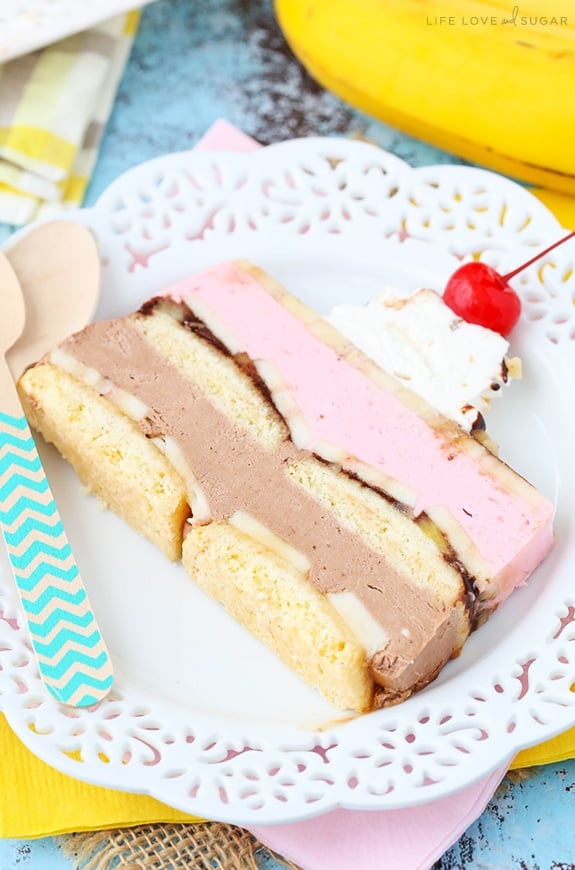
pixel 202 716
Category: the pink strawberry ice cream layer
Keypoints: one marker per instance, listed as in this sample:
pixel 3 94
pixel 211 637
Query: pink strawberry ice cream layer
pixel 344 407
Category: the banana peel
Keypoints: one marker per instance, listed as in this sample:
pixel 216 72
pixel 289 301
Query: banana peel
pixel 560 204
pixel 486 81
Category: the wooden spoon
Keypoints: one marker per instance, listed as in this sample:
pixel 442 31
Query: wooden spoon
pixel 72 659
pixel 11 328
pixel 58 268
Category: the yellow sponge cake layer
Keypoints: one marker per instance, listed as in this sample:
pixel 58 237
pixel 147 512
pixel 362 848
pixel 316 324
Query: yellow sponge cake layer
pixel 274 601
pixel 109 454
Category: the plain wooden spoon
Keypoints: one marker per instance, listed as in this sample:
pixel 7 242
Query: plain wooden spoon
pixel 73 662
pixel 11 327
pixel 58 268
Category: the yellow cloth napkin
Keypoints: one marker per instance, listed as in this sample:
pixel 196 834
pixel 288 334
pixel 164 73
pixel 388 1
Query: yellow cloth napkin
pixel 38 801
pixel 54 104
pixel 560 748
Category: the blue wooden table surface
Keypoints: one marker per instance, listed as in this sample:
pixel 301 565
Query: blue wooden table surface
pixel 194 62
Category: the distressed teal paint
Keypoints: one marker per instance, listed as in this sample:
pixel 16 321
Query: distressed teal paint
pixel 526 826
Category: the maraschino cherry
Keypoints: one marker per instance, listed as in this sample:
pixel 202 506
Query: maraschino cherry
pixel 479 294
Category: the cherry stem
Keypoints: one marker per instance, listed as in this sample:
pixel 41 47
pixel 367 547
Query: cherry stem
pixel 537 257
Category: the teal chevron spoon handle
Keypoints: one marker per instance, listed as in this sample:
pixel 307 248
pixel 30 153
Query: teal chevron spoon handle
pixel 72 658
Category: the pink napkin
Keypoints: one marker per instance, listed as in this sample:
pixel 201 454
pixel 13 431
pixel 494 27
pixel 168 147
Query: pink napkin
pixel 412 839
pixel 223 136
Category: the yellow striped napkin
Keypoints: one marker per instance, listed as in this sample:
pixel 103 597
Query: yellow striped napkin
pixel 54 105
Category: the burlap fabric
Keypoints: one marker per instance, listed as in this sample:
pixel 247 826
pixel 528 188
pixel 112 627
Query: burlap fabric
pixel 210 846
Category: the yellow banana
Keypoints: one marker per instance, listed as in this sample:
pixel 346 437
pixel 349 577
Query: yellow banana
pixel 486 80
